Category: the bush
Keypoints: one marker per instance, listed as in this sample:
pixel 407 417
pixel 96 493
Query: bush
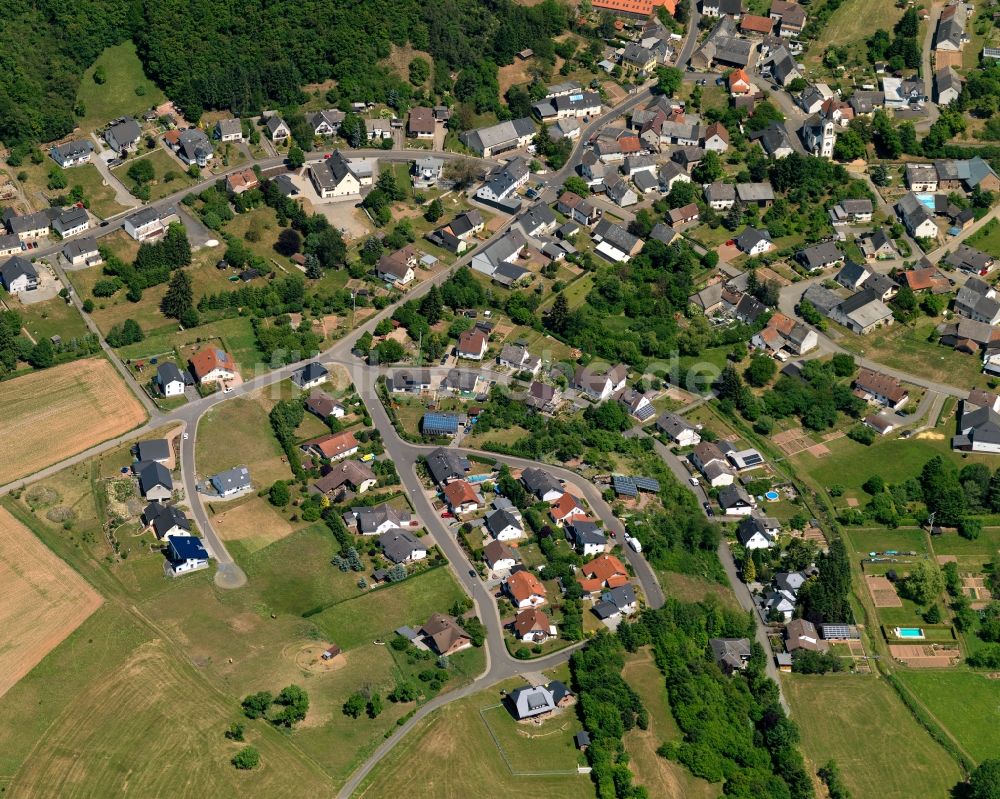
pixel 247 758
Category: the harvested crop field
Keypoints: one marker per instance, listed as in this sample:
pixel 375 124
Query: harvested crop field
pixel 42 600
pixel 51 414
pixel 883 592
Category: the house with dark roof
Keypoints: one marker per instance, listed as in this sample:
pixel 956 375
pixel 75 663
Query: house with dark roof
pixel 185 553
pixel 170 380
pixel 310 375
pixel 499 557
pixel 730 654
pixel 155 482
pixel 18 275
pixel 542 484
pixel 863 312
pixel 538 701
pixel 757 532
pixel 735 501
pixel 754 242
pixel 232 482
pixel 820 256
pixel 774 140
pixel 334 177
pixel 587 537
pixel 166 520
pixel 978 424
pixel 444 635
pixel 400 546
pixel 354 476
pixel 679 431
pixel 969 259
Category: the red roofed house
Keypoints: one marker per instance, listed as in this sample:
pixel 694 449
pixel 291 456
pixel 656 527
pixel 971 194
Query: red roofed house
pixel 566 509
pixel 532 625
pixel 525 590
pixel 756 26
pixel 604 571
pixel 242 181
pixel 927 278
pixel 335 447
pixel 472 344
pixel 739 82
pixel 212 365
pixel 461 497
pixel 634 8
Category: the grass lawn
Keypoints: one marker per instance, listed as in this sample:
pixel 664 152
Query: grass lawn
pixel 264 221
pixel 908 349
pixel 660 776
pixel 964 702
pixel 852 23
pixel 376 614
pixel 53 317
pixel 238 433
pixel 170 175
pixel 689 588
pixel 972 555
pixel 457 735
pixel 100 196
pixel 116 96
pixel 987 238
pixel 861 723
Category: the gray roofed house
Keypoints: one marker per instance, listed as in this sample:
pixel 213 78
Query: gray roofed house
pixel 756 532
pixel 606 230
pixel 531 701
pixel 18 274
pixel 919 220
pixel 863 312
pixel 820 256
pixel 866 102
pixel 82 252
pixel 761 194
pixel 731 654
pixel 720 196
pixel 401 546
pixel 677 429
pixel 754 241
pixel 822 299
pixel 877 245
pixel 783 67
pixel 122 135
pixel 500 138
pixel 232 481
pixel 947 85
pixel 27 225
pixel 72 153
pixel 645 182
pixel 775 141
pixel 462 381
pixel 411 381
pixel 326 122
pixel 664 233
pixel 312 374
pixel 166 520
pixel 538 220
pixel 852 275
pixel 157 449
pixel 969 259
pixel 446 465
pixel 377 519
pixel 542 484
pixel 734 499
pixel 155 482
pixel 504 525
pixel 883 286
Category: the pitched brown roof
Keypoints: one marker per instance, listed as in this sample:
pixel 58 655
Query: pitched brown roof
pixel 459 492
pixel 333 445
pixel 445 633
pixel 882 384
pixel 352 472
pixel 523 585
pixel 530 620
pixel 204 361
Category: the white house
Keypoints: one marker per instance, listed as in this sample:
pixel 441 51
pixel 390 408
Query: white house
pixel 229 130
pixel 600 385
pixel 310 375
pixel 504 526
pixel 735 501
pixel 278 128
pixel 499 557
pixel 590 541
pixel 333 177
pixel 232 481
pixel 155 482
pixel 71 221
pixel 18 275
pixel 186 553
pixel 72 153
pixel 212 365
pixel 757 532
pixel 678 430
pixel 169 380
pixel 525 590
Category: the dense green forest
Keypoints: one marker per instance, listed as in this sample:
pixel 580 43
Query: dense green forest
pixel 247 54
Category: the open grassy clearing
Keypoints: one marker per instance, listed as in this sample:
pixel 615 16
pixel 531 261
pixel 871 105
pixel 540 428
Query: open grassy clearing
pixel 78 404
pixel 907 348
pixel 861 723
pixel 100 196
pixel 53 317
pixel 238 433
pixel 964 702
pixel 661 777
pixel 987 238
pixel 376 614
pixel 456 736
pixel 42 600
pixel 153 695
pixel 972 555
pixel 116 96
pixel 688 588
pixel 170 175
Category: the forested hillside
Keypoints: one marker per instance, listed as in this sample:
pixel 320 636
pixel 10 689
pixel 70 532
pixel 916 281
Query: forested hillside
pixel 245 54
pixel 46 46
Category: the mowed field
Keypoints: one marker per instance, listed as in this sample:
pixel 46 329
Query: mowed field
pixel 451 755
pixel 113 741
pixel 964 702
pixel 51 414
pixel 861 723
pixel 42 600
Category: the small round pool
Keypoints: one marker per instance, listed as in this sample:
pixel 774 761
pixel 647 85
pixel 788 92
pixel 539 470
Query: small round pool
pixel 772 496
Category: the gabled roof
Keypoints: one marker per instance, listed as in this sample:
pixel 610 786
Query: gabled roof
pixel 308 373
pixel 523 585
pixel 152 474
pixel 530 620
pixel 209 359
pixel 186 547
pixel 495 551
pixel 399 545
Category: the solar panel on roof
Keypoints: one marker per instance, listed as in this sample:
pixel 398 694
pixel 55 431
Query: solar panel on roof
pixel 753 460
pixel 440 421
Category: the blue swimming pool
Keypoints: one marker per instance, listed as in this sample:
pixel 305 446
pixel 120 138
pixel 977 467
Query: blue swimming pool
pixel 909 632
pixel 927 200
pixel 772 496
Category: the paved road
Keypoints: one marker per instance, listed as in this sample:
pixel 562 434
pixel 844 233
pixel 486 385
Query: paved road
pixel 932 112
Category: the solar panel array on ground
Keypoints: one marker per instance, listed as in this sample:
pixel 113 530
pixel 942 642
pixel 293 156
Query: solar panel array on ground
pixel 626 486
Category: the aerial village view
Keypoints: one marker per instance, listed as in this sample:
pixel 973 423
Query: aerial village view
pixel 589 399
